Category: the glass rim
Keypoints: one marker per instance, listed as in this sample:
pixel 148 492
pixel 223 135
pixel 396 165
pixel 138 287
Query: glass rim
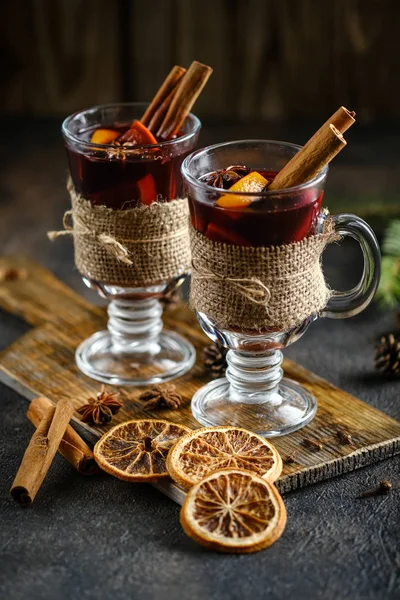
pixel 73 138
pixel 210 188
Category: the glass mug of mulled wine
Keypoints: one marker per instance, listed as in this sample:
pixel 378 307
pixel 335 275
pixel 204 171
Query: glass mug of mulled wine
pixel 257 282
pixel 109 171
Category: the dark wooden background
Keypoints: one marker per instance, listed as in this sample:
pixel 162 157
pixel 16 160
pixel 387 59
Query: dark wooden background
pixel 273 59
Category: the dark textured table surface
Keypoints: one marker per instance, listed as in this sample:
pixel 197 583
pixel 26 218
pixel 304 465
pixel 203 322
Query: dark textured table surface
pixel 101 538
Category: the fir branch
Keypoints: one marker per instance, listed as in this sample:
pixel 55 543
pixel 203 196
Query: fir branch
pixel 388 294
pixel 391 242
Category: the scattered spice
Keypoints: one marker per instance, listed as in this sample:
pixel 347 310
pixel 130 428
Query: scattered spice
pixel 215 359
pixel 100 410
pixel 12 274
pixel 344 437
pixel 384 487
pixel 161 397
pixel 387 355
pixel 312 444
pixel 291 458
pixel 225 178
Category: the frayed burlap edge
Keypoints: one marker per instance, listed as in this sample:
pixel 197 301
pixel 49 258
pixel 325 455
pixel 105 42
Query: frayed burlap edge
pixel 255 288
pixel 134 247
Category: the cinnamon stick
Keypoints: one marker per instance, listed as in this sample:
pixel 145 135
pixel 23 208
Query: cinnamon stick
pixel 187 93
pixel 72 446
pixel 169 83
pixel 40 452
pixel 161 111
pixel 342 119
pixel 317 152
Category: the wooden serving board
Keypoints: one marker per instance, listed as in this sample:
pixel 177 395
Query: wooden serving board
pixel 41 363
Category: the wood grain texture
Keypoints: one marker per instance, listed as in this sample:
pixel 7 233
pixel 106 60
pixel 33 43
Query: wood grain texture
pixel 42 363
pixel 272 58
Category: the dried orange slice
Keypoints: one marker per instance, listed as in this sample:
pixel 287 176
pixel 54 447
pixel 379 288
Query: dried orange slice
pixel 204 451
pixel 137 450
pixel 253 182
pixel 234 511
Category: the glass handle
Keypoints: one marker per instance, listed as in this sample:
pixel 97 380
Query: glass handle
pixel 352 302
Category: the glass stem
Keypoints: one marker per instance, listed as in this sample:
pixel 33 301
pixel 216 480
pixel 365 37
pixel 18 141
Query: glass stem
pixel 254 378
pixel 135 325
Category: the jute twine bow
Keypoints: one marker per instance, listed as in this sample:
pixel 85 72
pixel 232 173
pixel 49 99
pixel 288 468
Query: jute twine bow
pixel 251 288
pixel 109 243
pixel 114 247
pixel 135 246
pixel 255 288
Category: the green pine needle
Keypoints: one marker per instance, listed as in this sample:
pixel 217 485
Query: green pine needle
pixel 388 294
pixel 391 242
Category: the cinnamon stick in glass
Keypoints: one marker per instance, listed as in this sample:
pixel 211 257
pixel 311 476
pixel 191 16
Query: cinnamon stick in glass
pixel 317 152
pixel 169 83
pixel 72 446
pixel 186 95
pixel 161 111
pixel 40 452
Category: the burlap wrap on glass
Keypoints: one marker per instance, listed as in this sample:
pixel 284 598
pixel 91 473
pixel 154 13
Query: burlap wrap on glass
pixel 253 288
pixel 134 247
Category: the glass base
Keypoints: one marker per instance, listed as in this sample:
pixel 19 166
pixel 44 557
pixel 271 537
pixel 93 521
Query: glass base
pixel 288 408
pixel 168 357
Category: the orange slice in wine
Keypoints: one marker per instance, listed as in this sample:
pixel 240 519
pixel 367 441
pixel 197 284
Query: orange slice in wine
pixel 253 182
pixel 104 136
pixel 137 450
pixel 211 449
pixel 234 511
pixel 225 235
pixel 147 189
pixel 138 134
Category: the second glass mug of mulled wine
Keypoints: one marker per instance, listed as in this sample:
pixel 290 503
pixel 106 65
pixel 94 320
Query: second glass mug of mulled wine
pixel 134 350
pixel 239 226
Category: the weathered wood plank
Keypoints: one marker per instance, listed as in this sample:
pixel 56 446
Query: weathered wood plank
pixel 42 362
pixel 32 293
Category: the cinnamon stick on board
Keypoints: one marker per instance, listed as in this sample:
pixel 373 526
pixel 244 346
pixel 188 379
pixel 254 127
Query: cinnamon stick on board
pixel 169 83
pixel 72 446
pixel 317 152
pixel 186 95
pixel 40 452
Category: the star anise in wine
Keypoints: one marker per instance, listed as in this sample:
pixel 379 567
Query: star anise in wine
pixel 225 178
pixel 161 397
pixel 100 410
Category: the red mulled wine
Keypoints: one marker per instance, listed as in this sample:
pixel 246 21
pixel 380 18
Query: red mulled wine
pixel 265 221
pixel 119 178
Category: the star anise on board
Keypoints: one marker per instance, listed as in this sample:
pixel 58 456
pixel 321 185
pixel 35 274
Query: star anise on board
pixel 100 410
pixel 161 397
pixel 225 178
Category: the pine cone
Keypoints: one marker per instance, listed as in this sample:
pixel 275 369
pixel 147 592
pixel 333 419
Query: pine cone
pixel 215 360
pixel 387 355
pixel 161 397
pixel 171 299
